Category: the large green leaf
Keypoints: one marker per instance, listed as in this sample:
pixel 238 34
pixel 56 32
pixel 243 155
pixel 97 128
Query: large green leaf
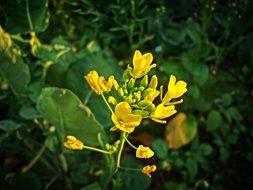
pixel 16 75
pixel 62 108
pixel 104 63
pixel 23 16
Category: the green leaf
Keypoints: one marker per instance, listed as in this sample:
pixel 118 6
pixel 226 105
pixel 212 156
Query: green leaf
pixel 28 113
pixel 23 16
pixel 63 109
pixel 192 167
pixel 16 75
pixel 205 149
pixel 133 180
pixel 226 99
pixel 161 149
pixel 93 186
pixel 214 120
pixel 104 63
pixel 175 186
pixel 9 126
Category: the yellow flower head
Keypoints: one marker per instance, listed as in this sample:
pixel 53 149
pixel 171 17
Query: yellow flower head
pixel 144 152
pixel 162 112
pixel 142 64
pixel 123 118
pixel 148 170
pixel 73 143
pixel 175 89
pixel 98 83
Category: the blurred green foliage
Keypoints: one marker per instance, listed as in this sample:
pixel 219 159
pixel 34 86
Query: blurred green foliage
pixel 47 46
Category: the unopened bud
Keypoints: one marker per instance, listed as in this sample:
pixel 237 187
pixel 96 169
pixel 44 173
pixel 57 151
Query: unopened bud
pixel 127 74
pixel 130 83
pixel 144 81
pixel 137 96
pixel 153 82
pixel 140 112
pixel 112 100
pixel 146 92
pixel 120 92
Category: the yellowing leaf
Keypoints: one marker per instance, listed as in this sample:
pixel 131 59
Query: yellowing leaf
pixel 180 130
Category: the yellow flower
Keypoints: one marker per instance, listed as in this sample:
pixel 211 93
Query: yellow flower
pixel 175 89
pixel 148 170
pixel 142 64
pixel 162 112
pixel 123 118
pixel 98 83
pixel 73 143
pixel 144 152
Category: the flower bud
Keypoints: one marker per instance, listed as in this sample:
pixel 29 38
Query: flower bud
pixel 130 83
pixel 140 112
pixel 153 82
pixel 144 81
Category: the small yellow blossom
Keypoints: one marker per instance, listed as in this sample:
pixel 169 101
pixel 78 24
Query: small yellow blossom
pixel 98 83
pixel 73 143
pixel 162 112
pixel 144 152
pixel 142 64
pixel 175 89
pixel 112 100
pixel 123 118
pixel 148 170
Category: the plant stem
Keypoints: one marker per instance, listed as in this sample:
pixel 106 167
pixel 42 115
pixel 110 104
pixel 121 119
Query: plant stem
pixel 34 160
pixel 29 16
pixel 130 169
pixel 134 147
pixel 107 103
pixel 97 150
pixel 122 142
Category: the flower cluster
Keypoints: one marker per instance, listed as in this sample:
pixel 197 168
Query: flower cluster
pixel 134 101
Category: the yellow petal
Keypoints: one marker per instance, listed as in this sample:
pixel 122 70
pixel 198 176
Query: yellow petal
pixel 122 109
pixel 148 57
pixel 73 143
pixel 132 120
pixel 144 152
pixel 148 170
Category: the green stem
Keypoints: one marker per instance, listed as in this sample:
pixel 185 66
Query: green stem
pixel 130 169
pixel 97 150
pixel 134 147
pixel 19 38
pixel 34 160
pixel 29 16
pixel 107 103
pixel 122 142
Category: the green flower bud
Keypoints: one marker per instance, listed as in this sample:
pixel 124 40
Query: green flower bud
pixel 140 112
pixel 144 81
pixel 127 74
pixel 150 107
pixel 144 103
pixel 129 99
pixel 120 92
pixel 146 92
pixel 130 83
pixel 141 88
pixel 137 96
